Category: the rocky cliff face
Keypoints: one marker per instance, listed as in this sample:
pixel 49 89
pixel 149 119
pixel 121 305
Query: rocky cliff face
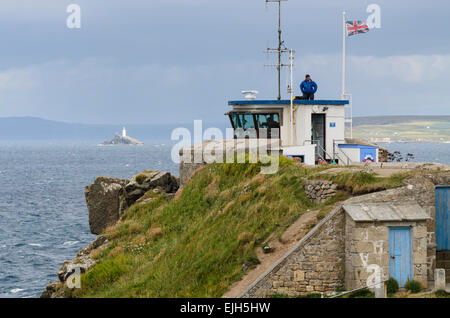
pixel 107 200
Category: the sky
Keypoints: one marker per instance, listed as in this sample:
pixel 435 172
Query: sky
pixel 174 61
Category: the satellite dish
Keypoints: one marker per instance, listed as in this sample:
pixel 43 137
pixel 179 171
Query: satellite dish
pixel 250 95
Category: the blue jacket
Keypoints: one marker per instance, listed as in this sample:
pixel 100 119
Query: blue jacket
pixel 308 87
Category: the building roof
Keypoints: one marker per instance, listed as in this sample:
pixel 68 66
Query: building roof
pixel 288 102
pixel 392 212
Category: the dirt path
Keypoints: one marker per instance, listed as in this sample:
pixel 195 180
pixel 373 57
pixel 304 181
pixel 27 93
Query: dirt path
pixel 291 236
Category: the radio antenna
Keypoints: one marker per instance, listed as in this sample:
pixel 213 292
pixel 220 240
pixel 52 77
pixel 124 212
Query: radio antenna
pixel 281 48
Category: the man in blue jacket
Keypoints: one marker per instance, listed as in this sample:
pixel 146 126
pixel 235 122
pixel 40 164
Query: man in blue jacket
pixel 308 88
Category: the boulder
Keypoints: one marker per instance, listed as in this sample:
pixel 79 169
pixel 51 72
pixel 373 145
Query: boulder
pixel 106 202
pixel 82 263
pixel 108 198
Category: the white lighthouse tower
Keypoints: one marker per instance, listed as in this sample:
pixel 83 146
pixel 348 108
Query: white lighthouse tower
pixel 124 132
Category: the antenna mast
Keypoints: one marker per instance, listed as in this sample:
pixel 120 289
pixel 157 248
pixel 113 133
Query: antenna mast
pixel 281 48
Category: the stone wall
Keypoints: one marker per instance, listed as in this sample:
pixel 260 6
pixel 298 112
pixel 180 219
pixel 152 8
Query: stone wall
pixel 443 261
pixel 314 265
pixel 367 252
pixel 194 157
pixel 320 190
pixel 187 170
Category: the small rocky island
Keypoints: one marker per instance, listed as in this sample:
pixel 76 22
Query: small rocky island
pixel 123 139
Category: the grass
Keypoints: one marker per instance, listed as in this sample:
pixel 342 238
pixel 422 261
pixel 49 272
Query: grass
pixel 196 246
pixel 362 182
pixel 362 293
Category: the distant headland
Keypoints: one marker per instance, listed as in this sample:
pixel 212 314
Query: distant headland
pixel 120 140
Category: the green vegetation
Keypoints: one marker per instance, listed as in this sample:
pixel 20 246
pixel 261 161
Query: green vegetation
pixel 141 178
pixel 392 286
pixel 278 296
pixel 442 294
pixel 361 182
pixel 311 296
pixel 413 286
pixel 198 244
pixel 362 293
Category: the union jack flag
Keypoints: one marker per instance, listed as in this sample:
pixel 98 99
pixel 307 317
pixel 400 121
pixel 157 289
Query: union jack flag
pixel 356 27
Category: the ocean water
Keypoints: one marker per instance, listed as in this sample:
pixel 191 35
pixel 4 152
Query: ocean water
pixel 43 214
pixel 423 152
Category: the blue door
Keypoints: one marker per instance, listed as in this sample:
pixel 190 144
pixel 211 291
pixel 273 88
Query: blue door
pixel 442 218
pixel 400 253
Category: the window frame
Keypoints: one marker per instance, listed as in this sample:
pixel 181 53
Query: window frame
pixel 255 120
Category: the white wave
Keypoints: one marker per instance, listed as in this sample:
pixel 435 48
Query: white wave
pixel 70 243
pixel 16 290
pixel 35 244
pixel 2 246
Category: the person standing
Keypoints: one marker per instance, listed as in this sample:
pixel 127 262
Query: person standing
pixel 308 88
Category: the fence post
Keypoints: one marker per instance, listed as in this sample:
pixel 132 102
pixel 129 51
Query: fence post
pixel 380 290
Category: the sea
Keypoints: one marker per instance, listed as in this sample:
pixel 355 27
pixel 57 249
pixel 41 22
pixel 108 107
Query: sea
pixel 43 213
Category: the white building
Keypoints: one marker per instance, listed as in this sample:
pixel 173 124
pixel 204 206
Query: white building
pixel 316 131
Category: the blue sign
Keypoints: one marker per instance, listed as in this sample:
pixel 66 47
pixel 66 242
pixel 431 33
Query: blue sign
pixel 332 125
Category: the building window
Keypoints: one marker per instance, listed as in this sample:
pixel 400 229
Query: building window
pixel 255 125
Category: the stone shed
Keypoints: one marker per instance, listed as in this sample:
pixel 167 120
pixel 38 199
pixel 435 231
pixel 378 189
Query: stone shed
pixel 385 240
pixel 390 233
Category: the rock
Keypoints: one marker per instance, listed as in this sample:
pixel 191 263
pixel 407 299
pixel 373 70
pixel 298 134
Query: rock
pixel 106 202
pixel 83 262
pixel 49 290
pixel 122 140
pixel 108 199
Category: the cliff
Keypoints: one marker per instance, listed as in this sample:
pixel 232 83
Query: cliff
pixel 225 222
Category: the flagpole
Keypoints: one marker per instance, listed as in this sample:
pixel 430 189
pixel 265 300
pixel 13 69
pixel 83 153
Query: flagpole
pixel 344 35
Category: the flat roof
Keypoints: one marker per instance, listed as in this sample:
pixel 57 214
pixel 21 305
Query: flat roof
pixel 288 102
pixel 367 212
pixel 357 146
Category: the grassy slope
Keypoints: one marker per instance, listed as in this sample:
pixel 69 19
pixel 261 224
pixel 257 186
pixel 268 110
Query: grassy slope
pixel 195 246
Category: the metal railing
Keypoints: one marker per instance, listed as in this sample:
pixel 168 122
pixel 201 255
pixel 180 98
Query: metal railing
pixel 335 154
pixel 332 157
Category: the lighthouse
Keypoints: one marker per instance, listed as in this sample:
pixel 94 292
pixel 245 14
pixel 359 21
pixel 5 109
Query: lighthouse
pixel 124 132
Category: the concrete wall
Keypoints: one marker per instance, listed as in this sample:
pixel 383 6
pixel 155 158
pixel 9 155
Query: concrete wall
pixel 314 265
pixel 309 153
pixel 367 252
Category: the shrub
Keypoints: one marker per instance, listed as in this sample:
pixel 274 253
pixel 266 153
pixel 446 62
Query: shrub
pixel 442 294
pixel 362 293
pixel 276 295
pixel 413 286
pixel 141 178
pixel 311 296
pixel 392 286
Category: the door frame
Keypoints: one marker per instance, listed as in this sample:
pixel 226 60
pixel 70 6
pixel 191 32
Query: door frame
pixel 442 193
pixel 324 115
pixel 410 272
